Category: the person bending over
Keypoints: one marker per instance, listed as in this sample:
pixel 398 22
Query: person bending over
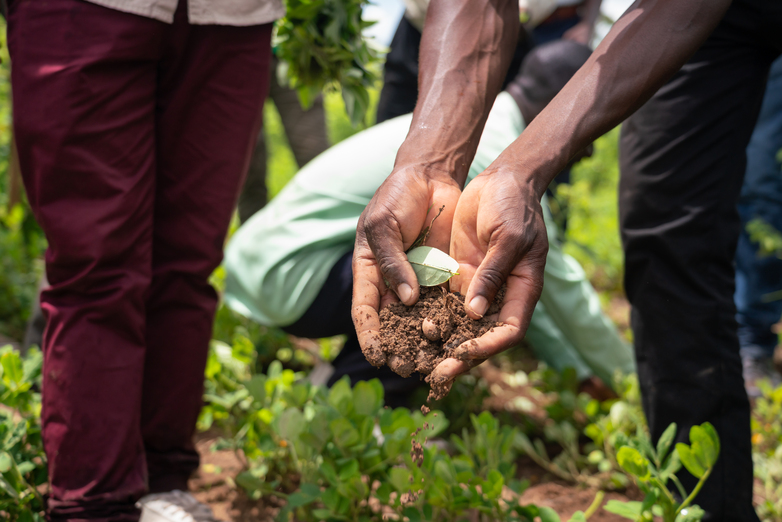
pixel 290 265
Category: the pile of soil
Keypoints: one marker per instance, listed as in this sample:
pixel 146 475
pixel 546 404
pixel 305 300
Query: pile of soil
pixel 417 338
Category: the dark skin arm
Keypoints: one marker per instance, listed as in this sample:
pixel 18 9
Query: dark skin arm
pixel 467 47
pixel 497 232
pixel 497 229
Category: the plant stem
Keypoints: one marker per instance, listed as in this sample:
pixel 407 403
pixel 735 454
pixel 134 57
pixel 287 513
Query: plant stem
pixel 679 486
pixel 592 509
pixel 695 491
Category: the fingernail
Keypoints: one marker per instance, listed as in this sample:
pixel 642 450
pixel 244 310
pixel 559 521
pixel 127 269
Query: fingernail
pixel 404 292
pixel 479 305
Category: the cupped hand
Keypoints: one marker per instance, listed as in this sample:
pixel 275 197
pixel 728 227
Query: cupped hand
pixel 499 238
pixel 402 207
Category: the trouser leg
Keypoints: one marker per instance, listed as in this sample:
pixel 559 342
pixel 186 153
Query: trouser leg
pixel 211 88
pixel 84 89
pixel 682 160
pixel 758 276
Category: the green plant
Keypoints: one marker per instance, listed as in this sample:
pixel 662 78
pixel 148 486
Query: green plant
pixel 589 202
pixel 767 451
pixel 320 45
pixel 22 245
pixel 653 468
pixel 570 416
pixel 22 460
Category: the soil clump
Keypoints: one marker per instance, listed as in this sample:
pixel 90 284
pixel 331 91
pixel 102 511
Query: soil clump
pixel 417 338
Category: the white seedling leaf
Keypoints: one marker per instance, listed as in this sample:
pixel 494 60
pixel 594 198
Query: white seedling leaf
pixel 432 266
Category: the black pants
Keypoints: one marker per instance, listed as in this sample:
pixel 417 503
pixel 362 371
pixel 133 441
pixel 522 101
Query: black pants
pixel 329 315
pixel 682 160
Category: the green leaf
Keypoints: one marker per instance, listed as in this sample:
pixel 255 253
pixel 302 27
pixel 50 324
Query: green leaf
pixel 631 510
pixel 341 396
pixel 412 513
pixel 689 460
pixel 671 465
pixel 705 444
pixel 290 424
pixel 578 516
pixel 6 462
pixel 400 479
pixel 298 499
pixel 691 513
pixel 631 460
pixel 365 399
pixel 13 372
pixel 432 266
pixel 344 433
pixel 348 470
pixel 547 514
pixel 257 387
pixel 665 441
pixel 311 490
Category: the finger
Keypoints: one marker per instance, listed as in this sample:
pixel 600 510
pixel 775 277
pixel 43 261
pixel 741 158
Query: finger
pixel 443 375
pixel 367 293
pixel 384 237
pixel 494 341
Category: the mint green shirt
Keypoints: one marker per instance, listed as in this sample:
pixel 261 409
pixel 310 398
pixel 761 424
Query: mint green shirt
pixel 278 261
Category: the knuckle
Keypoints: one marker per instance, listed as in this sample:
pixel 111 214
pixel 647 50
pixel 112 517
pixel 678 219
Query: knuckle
pixel 492 277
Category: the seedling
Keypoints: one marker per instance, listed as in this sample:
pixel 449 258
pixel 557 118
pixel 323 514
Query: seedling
pixel 653 468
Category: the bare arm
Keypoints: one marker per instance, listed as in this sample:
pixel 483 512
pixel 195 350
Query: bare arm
pixel 642 51
pixel 465 51
pixel 497 233
pixel 466 48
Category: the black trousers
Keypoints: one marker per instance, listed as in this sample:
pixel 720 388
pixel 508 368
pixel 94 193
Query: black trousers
pixel 682 158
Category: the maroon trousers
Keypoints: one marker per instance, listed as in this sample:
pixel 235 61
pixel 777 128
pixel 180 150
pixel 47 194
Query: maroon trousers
pixel 134 137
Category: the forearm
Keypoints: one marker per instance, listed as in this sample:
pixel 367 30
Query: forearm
pixel 466 48
pixel 642 51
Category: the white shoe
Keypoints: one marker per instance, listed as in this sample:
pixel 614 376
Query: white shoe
pixel 174 506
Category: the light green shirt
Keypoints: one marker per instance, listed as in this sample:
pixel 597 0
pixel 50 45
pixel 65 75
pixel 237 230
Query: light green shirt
pixel 278 261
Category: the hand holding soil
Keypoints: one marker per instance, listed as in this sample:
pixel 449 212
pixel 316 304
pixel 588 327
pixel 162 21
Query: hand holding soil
pixel 402 207
pixel 417 338
pixel 499 240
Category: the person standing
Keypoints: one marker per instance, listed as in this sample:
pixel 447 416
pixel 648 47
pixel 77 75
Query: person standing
pixel 134 122
pixel 697 70
pixel 759 277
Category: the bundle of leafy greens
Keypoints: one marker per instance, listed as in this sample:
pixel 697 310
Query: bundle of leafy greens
pixel 320 46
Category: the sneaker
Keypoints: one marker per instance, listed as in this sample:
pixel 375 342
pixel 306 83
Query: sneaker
pixel 174 506
pixel 757 369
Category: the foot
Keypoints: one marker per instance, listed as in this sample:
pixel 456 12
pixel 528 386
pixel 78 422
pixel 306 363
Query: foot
pixel 757 369
pixel 174 506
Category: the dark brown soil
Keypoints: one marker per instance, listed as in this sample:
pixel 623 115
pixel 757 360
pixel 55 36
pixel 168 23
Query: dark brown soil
pixel 417 338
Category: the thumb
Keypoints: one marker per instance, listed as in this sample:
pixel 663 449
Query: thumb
pixel 505 250
pixel 385 241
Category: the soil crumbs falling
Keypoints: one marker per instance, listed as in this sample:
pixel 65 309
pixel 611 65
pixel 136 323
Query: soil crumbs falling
pixel 417 338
